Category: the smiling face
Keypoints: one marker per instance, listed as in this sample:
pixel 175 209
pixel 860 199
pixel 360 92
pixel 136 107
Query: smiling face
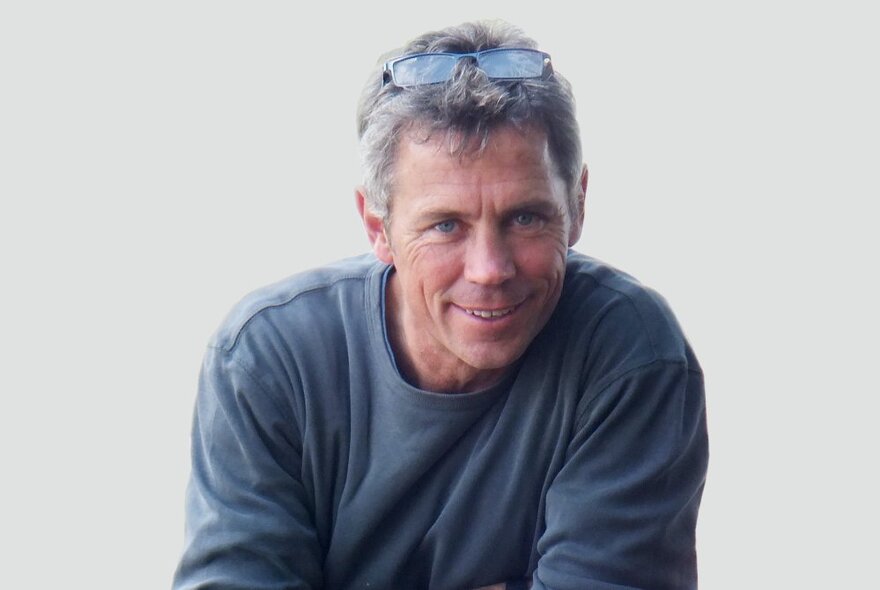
pixel 479 247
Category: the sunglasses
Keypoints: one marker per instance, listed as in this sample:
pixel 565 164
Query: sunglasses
pixel 498 64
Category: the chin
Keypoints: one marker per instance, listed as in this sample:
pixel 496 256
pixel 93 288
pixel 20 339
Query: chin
pixel 488 357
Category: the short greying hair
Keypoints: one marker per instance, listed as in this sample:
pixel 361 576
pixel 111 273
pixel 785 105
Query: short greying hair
pixel 466 109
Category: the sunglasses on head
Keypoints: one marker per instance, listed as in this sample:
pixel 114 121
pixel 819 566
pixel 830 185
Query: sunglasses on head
pixel 498 64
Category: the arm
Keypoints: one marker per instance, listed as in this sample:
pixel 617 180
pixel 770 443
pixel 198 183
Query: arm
pixel 622 511
pixel 247 519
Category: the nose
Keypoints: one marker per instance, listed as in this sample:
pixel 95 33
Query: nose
pixel 488 259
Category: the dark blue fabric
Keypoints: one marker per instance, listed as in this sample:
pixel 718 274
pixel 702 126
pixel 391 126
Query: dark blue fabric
pixel 316 466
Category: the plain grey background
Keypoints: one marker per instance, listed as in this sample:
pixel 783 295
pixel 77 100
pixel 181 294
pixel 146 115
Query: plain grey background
pixel 158 160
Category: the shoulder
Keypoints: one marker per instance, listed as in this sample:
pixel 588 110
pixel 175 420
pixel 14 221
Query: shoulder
pixel 293 303
pixel 622 323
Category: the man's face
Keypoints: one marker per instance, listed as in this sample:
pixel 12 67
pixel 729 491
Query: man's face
pixel 479 248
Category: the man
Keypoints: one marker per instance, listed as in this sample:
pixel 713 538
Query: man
pixel 474 403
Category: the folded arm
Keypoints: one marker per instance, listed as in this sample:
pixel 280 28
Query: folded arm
pixel 247 523
pixel 622 512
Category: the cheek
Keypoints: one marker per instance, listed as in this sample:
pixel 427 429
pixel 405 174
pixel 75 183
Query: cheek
pixel 433 269
pixel 542 258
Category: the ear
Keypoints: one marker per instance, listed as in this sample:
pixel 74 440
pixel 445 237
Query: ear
pixel 577 224
pixel 375 227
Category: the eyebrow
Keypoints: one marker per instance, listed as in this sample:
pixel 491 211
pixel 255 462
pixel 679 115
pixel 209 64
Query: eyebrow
pixel 541 206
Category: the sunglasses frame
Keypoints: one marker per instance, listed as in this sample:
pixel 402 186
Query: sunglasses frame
pixel 388 76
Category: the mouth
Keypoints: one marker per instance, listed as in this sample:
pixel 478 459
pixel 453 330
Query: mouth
pixel 489 314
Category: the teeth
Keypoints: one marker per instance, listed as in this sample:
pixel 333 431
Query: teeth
pixel 486 314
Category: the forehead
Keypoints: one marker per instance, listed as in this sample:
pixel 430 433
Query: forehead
pixel 508 152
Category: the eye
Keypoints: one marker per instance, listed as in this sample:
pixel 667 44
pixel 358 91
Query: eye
pixel 524 219
pixel 445 227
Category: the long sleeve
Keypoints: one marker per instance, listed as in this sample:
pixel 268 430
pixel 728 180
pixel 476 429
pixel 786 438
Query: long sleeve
pixel 622 511
pixel 247 519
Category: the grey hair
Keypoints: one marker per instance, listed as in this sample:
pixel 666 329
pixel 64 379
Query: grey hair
pixel 466 109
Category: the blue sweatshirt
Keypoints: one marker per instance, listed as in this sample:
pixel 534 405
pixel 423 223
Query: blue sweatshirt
pixel 316 465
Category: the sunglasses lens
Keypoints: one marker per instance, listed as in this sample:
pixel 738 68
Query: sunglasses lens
pixel 433 68
pixel 512 63
pixel 423 69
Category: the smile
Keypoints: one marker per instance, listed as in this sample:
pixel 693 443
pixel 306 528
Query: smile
pixel 490 313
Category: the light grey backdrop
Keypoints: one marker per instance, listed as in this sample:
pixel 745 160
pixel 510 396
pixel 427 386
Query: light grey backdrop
pixel 158 160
